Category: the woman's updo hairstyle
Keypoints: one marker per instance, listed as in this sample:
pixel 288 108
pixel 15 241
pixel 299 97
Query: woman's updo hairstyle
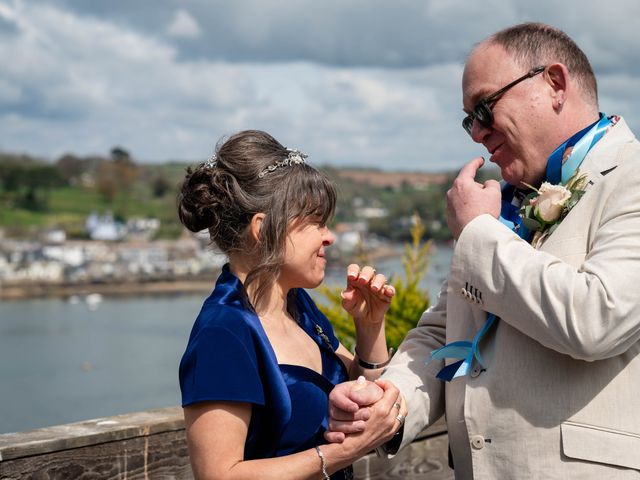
pixel 252 173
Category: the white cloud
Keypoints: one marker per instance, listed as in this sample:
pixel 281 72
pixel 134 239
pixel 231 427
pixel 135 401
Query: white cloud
pixel 184 25
pixel 125 87
pixel 83 83
pixel 10 93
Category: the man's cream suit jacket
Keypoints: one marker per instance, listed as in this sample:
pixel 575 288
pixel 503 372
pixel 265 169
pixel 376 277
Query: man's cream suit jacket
pixel 560 396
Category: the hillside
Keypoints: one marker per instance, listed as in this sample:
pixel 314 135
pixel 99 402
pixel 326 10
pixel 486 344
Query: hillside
pixel 36 195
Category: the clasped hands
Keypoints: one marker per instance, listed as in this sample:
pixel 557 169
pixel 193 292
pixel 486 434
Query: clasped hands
pixel 365 414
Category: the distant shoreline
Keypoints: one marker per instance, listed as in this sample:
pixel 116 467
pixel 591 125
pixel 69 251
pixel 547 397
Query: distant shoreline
pixel 184 286
pixel 124 289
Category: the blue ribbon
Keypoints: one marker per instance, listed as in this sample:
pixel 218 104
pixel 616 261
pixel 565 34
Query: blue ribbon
pixel 556 172
pixel 464 350
pixel 582 142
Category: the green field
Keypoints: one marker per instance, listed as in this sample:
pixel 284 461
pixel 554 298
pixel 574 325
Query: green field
pixel 68 207
pixel 35 196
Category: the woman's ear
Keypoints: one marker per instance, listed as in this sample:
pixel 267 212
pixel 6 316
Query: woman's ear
pixel 255 226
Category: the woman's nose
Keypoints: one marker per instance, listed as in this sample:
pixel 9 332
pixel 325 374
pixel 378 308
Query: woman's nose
pixel 329 237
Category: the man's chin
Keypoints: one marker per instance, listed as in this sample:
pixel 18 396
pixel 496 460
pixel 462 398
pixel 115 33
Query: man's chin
pixel 506 170
pixel 510 177
pixel 515 183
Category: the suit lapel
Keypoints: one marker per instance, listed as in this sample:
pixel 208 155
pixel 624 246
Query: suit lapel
pixel 605 155
pixel 600 161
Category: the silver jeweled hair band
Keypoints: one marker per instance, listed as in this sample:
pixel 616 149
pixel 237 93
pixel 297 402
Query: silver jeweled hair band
pixel 212 162
pixel 294 157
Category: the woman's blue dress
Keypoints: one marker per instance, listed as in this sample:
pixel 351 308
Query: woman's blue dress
pixel 229 358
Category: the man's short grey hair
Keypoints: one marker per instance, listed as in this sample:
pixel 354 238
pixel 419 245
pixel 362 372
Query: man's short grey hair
pixel 533 44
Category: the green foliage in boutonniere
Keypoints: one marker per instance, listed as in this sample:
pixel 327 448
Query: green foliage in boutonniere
pixel 544 208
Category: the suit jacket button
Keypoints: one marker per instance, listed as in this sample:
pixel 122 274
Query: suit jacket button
pixel 477 442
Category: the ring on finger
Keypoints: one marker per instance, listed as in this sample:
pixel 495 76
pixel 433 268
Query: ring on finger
pixel 397 405
pixel 400 418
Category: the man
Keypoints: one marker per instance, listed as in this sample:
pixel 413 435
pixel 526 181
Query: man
pixel 549 386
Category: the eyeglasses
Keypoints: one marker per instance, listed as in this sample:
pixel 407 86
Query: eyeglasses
pixel 482 110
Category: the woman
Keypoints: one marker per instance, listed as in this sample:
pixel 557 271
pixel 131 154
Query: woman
pixel 262 359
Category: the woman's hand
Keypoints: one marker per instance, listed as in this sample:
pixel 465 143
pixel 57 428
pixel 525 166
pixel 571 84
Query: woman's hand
pixel 367 296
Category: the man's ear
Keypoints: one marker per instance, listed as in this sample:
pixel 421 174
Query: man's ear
pixel 557 76
pixel 255 226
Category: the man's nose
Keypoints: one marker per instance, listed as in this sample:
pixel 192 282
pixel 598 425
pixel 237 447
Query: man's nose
pixel 479 132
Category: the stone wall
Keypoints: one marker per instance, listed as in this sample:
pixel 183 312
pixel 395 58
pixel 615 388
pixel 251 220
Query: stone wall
pixel 152 445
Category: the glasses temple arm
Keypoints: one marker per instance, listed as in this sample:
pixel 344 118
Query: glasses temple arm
pixel 531 73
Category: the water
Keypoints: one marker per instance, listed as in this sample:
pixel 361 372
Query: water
pixel 62 362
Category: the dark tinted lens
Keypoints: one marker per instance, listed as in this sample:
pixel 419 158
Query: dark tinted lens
pixel 467 123
pixel 483 114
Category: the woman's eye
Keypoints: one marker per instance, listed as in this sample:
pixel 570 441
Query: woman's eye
pixel 317 221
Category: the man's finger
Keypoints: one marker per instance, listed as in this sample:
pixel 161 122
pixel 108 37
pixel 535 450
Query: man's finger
pixel 334 437
pixel 492 184
pixel 368 395
pixel 346 427
pixel 384 384
pixel 391 394
pixel 470 170
pixel 342 416
pixel 339 399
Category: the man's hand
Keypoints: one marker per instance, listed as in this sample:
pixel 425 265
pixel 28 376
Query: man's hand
pixel 348 407
pixel 468 199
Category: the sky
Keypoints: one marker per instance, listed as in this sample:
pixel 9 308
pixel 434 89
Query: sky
pixel 364 83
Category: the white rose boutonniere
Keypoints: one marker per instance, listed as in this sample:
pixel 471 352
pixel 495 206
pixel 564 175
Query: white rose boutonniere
pixel 551 199
pixel 544 208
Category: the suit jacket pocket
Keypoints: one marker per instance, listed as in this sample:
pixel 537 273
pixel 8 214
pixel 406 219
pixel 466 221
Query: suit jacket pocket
pixel 599 444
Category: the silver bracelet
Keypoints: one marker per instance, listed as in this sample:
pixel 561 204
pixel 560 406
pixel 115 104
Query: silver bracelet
pixel 372 366
pixel 323 463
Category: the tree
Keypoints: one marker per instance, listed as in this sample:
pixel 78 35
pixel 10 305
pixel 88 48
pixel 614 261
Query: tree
pixel 38 181
pixel 11 176
pixel 26 182
pixel 126 170
pixel 120 154
pixel 160 186
pixel 106 181
pixel 118 174
pixel 70 168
